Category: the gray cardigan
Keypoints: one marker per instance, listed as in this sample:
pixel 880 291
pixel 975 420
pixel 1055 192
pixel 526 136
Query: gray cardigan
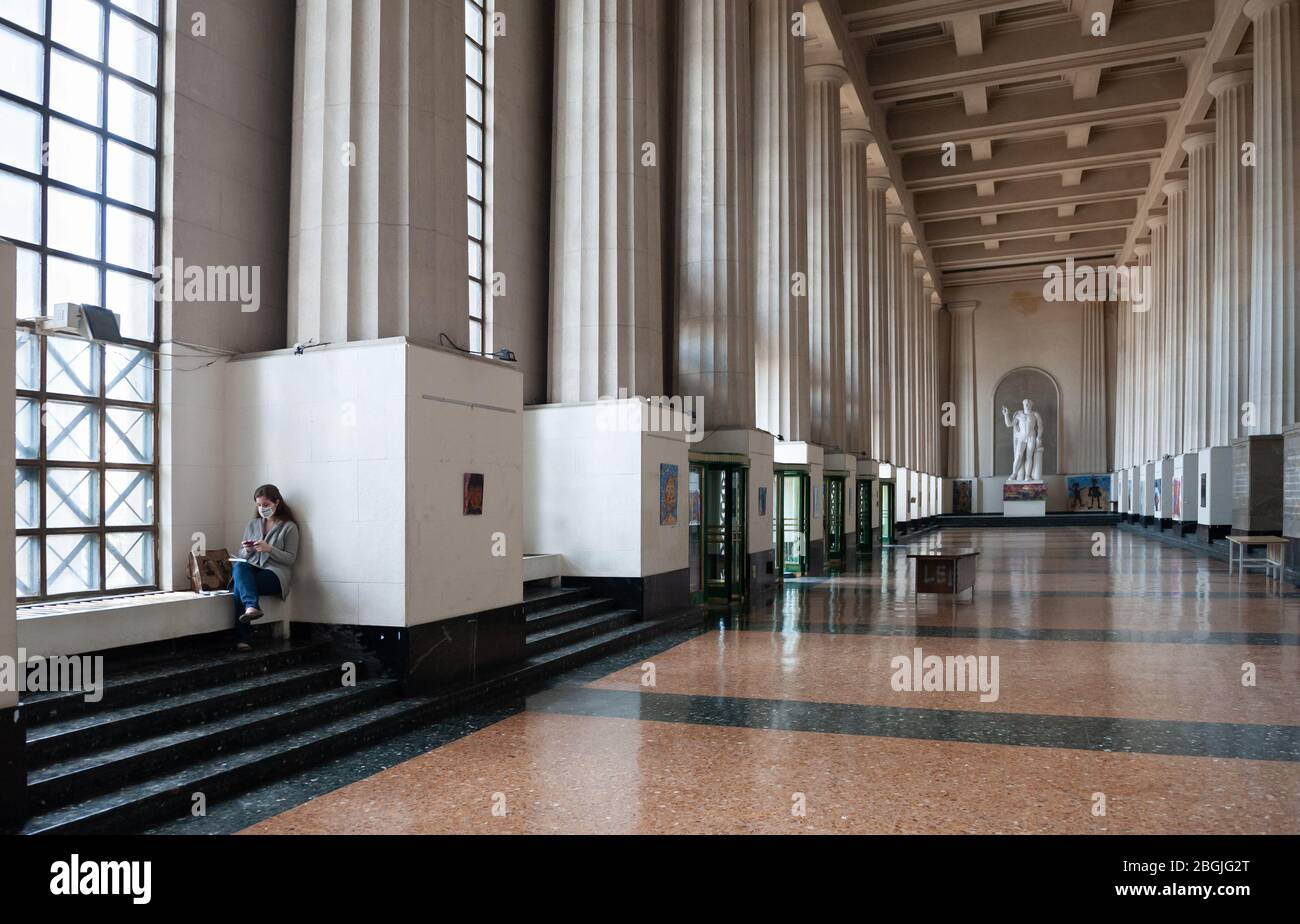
pixel 283 539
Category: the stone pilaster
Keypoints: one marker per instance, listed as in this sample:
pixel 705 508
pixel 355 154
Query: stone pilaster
pixel 931 352
pixel 857 286
pixel 963 442
pixel 715 358
pixel 880 360
pixel 376 247
pixel 1275 295
pixel 1174 318
pixel 1234 97
pixel 896 286
pixel 822 84
pixel 911 281
pixel 780 224
pixel 1091 453
pixel 1156 382
pixel 1123 376
pixel 1140 398
pixel 1199 145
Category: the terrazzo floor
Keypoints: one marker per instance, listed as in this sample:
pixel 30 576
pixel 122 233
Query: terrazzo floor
pixel 1144 691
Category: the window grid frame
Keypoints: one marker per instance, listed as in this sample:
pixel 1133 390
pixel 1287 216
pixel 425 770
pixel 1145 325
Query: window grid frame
pixel 42 465
pixel 478 323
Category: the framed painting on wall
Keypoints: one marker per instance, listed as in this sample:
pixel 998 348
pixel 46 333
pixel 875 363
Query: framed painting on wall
pixel 667 494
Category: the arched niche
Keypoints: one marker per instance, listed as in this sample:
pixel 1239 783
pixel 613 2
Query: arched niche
pixel 1039 387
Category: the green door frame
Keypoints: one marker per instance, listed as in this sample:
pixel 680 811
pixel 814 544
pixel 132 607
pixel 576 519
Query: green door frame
pixel 722 579
pixel 834 525
pixel 864 514
pixel 798 565
pixel 887 499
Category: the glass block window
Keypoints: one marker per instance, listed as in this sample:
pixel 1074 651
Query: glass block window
pixel 80 106
pixel 476 131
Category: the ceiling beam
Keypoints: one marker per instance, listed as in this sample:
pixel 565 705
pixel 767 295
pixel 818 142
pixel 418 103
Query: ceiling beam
pixel 1035 223
pixel 1054 49
pixel 1138 97
pixel 1015 160
pixel 1021 195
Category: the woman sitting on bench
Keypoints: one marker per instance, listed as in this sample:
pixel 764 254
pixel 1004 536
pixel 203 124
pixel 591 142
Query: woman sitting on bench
pixel 268 550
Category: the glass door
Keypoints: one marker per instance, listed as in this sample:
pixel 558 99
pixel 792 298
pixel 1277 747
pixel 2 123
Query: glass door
pixel 886 513
pixel 864 514
pixel 835 520
pixel 790 522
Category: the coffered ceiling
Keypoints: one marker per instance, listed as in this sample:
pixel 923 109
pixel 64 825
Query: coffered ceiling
pixel 1059 134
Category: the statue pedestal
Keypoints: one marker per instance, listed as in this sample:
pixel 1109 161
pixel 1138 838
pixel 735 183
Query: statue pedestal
pixel 1024 499
pixel 1024 508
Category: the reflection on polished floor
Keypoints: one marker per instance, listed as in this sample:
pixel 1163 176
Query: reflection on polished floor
pixel 1121 708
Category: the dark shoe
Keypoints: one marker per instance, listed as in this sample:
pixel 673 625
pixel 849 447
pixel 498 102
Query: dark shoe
pixel 243 646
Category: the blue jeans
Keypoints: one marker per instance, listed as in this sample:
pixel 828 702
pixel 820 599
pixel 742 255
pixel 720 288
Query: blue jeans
pixel 249 583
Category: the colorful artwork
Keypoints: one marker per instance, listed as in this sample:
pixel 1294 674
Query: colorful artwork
pixel 1156 502
pixel 1088 492
pixel 667 494
pixel 1024 491
pixel 1178 498
pixel 961 497
pixel 762 501
pixel 1202 489
pixel 473 494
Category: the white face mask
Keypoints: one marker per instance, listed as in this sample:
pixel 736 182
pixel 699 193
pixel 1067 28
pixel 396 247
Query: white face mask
pixel 266 512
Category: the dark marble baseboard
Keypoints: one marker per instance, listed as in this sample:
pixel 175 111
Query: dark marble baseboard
pixel 652 596
pixel 13 765
pixel 433 656
pixel 762 577
pixel 1211 533
pixel 816 558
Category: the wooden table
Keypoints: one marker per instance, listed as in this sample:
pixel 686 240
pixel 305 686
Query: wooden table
pixel 1240 545
pixel 945 571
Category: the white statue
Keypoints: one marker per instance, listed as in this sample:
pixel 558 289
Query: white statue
pixel 1026 443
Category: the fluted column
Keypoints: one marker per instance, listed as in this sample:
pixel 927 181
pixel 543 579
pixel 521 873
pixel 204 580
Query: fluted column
pixel 1275 296
pixel 857 286
pixel 1141 397
pixel 780 222
pixel 1156 380
pixel 963 439
pixel 931 353
pixel 606 328
pixel 375 249
pixel 907 345
pixel 714 324
pixel 1233 224
pixel 912 346
pixel 1123 373
pixel 1175 315
pixel 879 361
pixel 822 84
pixel 897 283
pixel 1091 452
pixel 1199 146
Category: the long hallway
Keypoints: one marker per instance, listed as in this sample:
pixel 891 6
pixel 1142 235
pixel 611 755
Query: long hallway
pixel 1139 691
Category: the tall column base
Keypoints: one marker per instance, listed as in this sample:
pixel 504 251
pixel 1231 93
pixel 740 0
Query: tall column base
pixel 1257 485
pixel 1183 506
pixel 1212 493
pixel 1291 498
